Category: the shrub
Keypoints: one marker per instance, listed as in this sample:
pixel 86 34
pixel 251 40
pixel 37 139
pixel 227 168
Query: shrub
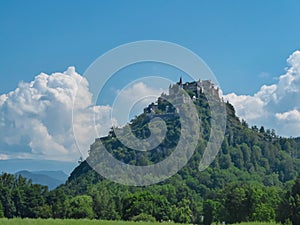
pixel 143 217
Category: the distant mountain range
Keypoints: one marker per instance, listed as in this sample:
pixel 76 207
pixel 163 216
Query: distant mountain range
pixel 52 179
pixel 15 165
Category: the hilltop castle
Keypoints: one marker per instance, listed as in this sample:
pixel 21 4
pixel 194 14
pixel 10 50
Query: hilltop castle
pixel 195 89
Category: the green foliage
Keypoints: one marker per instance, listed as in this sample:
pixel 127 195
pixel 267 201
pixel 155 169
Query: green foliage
pixel 57 199
pixel 17 221
pixel 19 197
pixel 263 212
pixel 183 213
pixel 211 210
pixel 295 202
pixel 1 211
pixel 289 208
pixel 104 202
pixel 236 204
pixel 97 222
pixel 80 207
pixel 147 203
pixel 143 217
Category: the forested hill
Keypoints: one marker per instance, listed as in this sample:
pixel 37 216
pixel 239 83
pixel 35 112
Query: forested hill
pixel 253 177
pixel 246 181
pixel 247 153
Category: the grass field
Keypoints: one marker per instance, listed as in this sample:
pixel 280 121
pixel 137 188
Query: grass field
pixel 89 222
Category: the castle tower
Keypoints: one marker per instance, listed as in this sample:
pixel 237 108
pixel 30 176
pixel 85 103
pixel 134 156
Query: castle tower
pixel 180 82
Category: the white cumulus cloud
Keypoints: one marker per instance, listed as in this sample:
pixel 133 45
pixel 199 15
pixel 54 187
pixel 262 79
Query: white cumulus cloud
pixel 54 116
pixel 274 106
pixel 36 118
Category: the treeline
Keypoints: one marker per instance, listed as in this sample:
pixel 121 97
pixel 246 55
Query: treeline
pixel 174 201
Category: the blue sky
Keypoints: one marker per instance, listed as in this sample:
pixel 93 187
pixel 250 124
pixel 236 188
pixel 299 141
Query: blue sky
pixel 239 40
pixel 251 46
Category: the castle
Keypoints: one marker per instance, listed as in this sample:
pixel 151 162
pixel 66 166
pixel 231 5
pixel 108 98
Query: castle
pixel 195 89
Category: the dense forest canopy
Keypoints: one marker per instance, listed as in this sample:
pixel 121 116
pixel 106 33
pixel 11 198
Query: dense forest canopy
pixel 253 178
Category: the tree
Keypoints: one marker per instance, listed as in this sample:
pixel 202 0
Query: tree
pixel 210 211
pixel 295 202
pixel 44 211
pixel 183 213
pixel 235 204
pixel 7 203
pixel 103 203
pixel 80 207
pixel 34 199
pixel 263 202
pixel 148 203
pixel 262 130
pixel 57 199
pixel 263 212
pixel 6 187
pixel 1 211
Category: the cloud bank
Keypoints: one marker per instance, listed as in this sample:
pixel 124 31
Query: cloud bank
pixel 274 106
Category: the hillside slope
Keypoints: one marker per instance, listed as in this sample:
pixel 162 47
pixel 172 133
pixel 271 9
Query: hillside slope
pixel 250 160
